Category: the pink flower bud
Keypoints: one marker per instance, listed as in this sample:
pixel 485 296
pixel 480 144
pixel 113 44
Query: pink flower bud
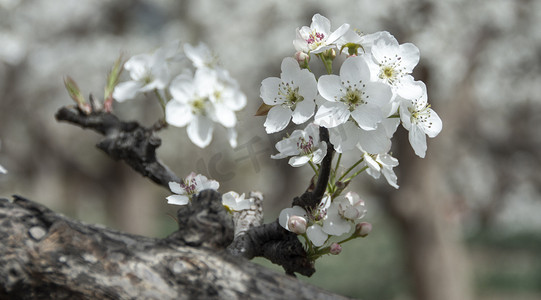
pixel 302 58
pixel 363 229
pixel 335 249
pixel 297 224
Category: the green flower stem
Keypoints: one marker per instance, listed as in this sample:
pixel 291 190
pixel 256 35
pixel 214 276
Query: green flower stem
pixel 353 236
pixel 161 100
pixel 326 62
pixel 337 163
pixel 356 173
pixel 351 168
pixel 313 167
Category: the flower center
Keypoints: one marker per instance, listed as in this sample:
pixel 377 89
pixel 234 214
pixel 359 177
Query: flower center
pixel 198 106
pixel 391 69
pixel 354 97
pixel 290 95
pixel 420 114
pixel 189 186
pixel 306 147
pixel 315 38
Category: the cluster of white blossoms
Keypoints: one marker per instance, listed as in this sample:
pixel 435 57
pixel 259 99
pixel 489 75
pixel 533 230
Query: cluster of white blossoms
pixel 361 106
pixel 196 99
pixel 195 183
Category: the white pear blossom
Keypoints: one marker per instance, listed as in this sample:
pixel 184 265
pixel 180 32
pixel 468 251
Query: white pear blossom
pixel 148 72
pixel 343 213
pixel 393 63
pixel 419 119
pixel 303 145
pixel 292 96
pixel 381 164
pixel 193 184
pixel 352 94
pixel 318 37
pixel 235 202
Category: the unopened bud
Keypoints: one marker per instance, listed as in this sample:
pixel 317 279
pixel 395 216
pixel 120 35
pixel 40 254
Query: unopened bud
pixel 302 58
pixel 363 229
pixel 297 224
pixel 335 249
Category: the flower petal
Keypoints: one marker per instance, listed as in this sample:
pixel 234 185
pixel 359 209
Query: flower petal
pixel 178 199
pixel 332 114
pixel 316 234
pixel 330 87
pixel 200 131
pixel 304 110
pixel 417 140
pixel 126 90
pixel 367 116
pixel 277 119
pixel 269 91
pixel 178 114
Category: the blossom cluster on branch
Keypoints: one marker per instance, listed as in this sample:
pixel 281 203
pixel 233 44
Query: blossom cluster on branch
pixel 361 106
pixel 195 100
pixel 353 113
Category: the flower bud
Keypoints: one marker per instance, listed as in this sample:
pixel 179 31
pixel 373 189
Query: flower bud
pixel 363 229
pixel 302 58
pixel 335 249
pixel 297 224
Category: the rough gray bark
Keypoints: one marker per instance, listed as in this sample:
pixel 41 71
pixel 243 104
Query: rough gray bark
pixel 44 255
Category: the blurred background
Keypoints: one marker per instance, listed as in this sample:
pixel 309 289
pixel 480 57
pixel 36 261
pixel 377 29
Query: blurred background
pixel 466 221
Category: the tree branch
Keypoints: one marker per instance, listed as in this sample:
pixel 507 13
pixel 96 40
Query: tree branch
pixel 310 199
pixel 128 141
pixel 44 255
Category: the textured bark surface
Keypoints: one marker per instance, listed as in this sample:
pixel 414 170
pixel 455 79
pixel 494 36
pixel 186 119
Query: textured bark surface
pixel 44 255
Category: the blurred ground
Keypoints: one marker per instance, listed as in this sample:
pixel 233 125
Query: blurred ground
pixel 480 60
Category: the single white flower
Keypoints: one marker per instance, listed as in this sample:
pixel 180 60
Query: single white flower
pixel 292 96
pixel 193 184
pixel 303 145
pixel 393 63
pixel 235 202
pixel 351 206
pixel 147 71
pixel 419 119
pixel 191 106
pixel 343 212
pixel 352 94
pixel 318 37
pixel 381 164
